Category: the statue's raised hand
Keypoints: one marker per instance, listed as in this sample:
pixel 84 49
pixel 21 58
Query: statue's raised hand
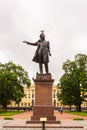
pixel 25 41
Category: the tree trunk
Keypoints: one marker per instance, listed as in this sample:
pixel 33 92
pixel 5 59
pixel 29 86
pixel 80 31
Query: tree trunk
pixel 69 108
pixel 78 108
pixel 18 106
pixel 5 107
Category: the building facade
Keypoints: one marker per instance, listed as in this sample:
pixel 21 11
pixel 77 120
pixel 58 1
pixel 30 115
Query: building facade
pixel 29 99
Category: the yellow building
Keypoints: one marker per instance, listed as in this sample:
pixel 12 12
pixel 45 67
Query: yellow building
pixel 29 99
pixel 55 101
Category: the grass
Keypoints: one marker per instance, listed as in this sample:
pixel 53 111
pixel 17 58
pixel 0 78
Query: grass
pixel 78 113
pixel 9 113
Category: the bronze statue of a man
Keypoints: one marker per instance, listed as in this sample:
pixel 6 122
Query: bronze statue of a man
pixel 42 52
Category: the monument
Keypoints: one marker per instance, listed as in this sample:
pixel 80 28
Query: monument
pixel 42 52
pixel 43 82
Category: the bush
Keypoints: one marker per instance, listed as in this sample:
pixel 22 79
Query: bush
pixel 8 118
pixel 78 119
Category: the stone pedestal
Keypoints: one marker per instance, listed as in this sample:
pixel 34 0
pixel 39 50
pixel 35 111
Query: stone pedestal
pixel 43 97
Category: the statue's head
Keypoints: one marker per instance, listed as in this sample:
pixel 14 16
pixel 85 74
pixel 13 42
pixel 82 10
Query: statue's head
pixel 42 36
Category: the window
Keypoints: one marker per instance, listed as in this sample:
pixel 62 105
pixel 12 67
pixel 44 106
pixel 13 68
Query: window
pixel 54 95
pixel 25 104
pixel 29 104
pixel 14 104
pixel 29 96
pixel 22 104
pixel 25 95
pixel 32 95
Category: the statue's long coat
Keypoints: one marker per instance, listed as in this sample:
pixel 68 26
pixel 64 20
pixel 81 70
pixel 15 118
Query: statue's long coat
pixel 41 54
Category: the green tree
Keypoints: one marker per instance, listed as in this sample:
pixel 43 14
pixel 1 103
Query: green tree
pixel 12 79
pixel 73 83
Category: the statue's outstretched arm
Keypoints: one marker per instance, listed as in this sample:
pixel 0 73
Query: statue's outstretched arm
pixel 33 44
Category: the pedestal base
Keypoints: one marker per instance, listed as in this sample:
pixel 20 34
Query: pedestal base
pixel 43 111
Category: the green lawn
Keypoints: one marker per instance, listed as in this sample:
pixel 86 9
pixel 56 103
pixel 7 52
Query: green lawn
pixel 78 113
pixel 9 113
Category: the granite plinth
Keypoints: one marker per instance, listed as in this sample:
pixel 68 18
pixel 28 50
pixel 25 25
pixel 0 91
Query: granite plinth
pixel 43 97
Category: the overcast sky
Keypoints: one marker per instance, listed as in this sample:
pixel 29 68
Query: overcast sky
pixel 64 23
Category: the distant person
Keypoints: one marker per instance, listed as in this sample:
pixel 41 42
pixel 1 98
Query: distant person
pixel 42 52
pixel 61 110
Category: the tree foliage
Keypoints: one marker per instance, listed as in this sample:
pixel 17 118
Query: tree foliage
pixel 12 79
pixel 73 83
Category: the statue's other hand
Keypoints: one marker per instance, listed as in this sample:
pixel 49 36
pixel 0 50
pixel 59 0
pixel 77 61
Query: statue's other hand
pixel 49 54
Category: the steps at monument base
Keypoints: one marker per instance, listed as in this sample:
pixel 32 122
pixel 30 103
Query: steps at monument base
pixel 39 127
pixel 37 117
pixel 63 128
pixel 39 122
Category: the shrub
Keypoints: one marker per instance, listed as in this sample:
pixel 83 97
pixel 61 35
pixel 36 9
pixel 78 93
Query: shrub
pixel 78 119
pixel 8 118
